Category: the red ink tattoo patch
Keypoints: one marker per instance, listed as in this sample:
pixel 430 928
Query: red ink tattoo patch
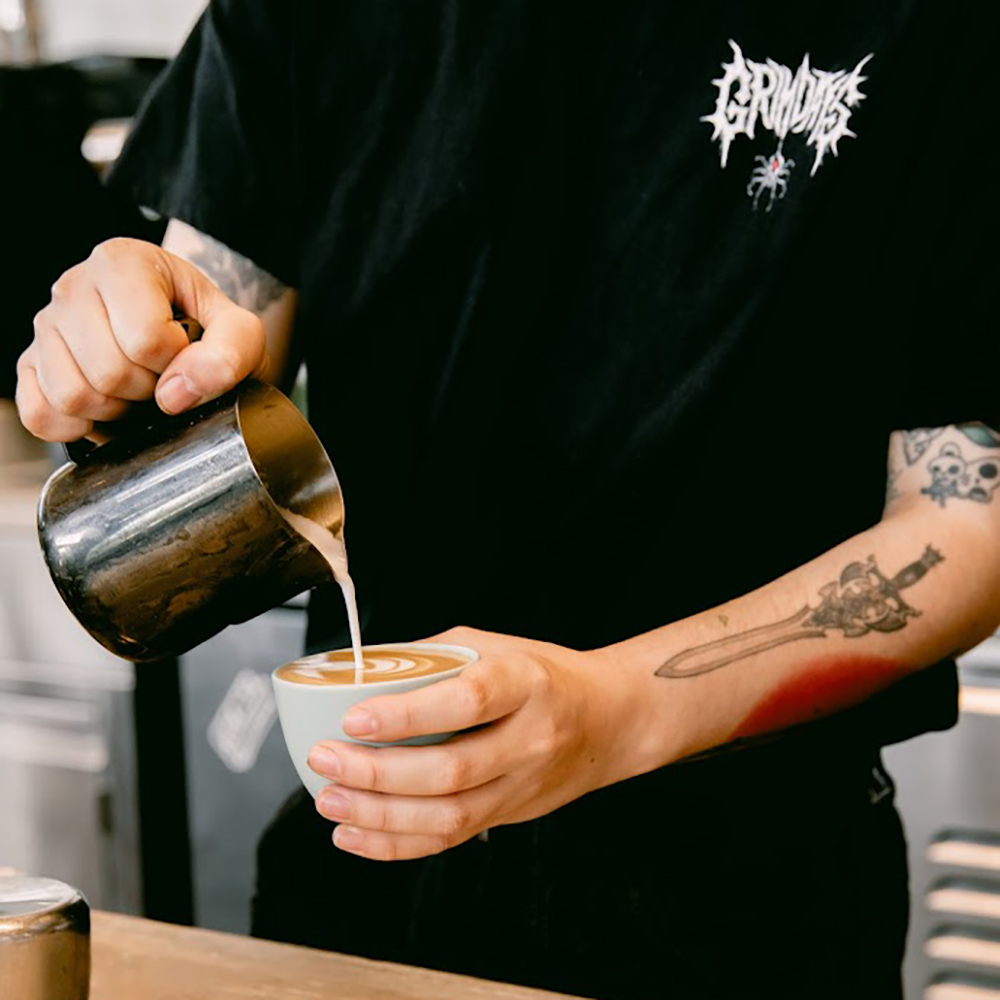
pixel 820 688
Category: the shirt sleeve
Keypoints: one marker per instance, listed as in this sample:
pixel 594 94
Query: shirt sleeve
pixel 215 144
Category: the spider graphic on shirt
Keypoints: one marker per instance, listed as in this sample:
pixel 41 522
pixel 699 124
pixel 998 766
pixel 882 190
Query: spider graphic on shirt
pixel 770 176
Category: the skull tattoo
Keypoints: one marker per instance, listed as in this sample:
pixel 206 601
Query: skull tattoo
pixel 953 476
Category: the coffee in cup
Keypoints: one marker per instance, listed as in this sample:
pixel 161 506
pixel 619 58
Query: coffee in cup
pixel 314 693
pixel 381 664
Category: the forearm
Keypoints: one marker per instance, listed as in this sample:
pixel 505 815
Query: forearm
pixel 544 724
pixel 819 639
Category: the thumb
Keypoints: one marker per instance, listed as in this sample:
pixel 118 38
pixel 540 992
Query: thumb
pixel 232 347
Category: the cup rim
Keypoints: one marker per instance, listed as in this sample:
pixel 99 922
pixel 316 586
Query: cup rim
pixel 446 647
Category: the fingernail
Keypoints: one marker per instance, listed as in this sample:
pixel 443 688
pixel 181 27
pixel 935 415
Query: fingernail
pixel 177 394
pixel 324 761
pixel 360 722
pixel 334 806
pixel 347 838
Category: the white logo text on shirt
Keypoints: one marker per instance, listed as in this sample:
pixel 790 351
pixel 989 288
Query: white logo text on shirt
pixel 772 97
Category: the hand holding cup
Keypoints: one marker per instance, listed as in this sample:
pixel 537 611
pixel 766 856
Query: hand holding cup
pixel 537 725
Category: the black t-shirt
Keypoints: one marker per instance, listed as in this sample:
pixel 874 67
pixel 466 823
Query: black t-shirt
pixel 608 309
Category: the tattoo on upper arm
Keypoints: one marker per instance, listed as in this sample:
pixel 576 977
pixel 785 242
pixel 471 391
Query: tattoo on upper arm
pixel 240 278
pixel 980 434
pixel 952 476
pixel 862 600
pixel 916 442
pixel 957 469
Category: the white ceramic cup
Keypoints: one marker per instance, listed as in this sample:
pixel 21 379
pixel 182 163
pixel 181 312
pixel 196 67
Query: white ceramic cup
pixel 313 713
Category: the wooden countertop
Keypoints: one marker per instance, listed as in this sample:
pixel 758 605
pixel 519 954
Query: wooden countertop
pixel 137 959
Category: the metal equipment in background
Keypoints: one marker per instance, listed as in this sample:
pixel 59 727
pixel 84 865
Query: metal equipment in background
pixel 44 940
pixel 238 770
pixel 67 733
pixel 146 787
pixel 948 792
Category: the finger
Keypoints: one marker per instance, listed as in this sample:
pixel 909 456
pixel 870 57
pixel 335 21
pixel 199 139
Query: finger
pixel 35 411
pixel 378 846
pixel 210 367
pixel 232 347
pixel 135 286
pixel 140 284
pixel 452 816
pixel 64 385
pixel 465 761
pixel 88 335
pixel 486 690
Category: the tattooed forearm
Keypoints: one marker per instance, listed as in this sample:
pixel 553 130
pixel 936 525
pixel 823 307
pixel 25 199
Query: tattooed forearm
pixel 861 601
pixel 241 279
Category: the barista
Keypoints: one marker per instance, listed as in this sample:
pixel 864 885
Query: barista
pixel 609 348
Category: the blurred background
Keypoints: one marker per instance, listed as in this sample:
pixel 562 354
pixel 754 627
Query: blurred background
pixel 145 788
pixel 148 787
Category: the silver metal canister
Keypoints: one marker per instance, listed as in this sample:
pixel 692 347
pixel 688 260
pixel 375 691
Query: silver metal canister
pixel 161 538
pixel 44 940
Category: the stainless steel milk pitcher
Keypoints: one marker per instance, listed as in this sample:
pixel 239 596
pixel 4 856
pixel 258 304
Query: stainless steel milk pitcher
pixel 162 537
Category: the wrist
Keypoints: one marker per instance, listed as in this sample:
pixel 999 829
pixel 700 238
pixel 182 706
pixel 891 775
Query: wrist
pixel 670 719
pixel 640 730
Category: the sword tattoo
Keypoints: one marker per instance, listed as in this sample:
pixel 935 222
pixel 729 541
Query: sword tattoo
pixel 861 601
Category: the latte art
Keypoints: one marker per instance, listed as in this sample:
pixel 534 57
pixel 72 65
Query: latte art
pixel 379 665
